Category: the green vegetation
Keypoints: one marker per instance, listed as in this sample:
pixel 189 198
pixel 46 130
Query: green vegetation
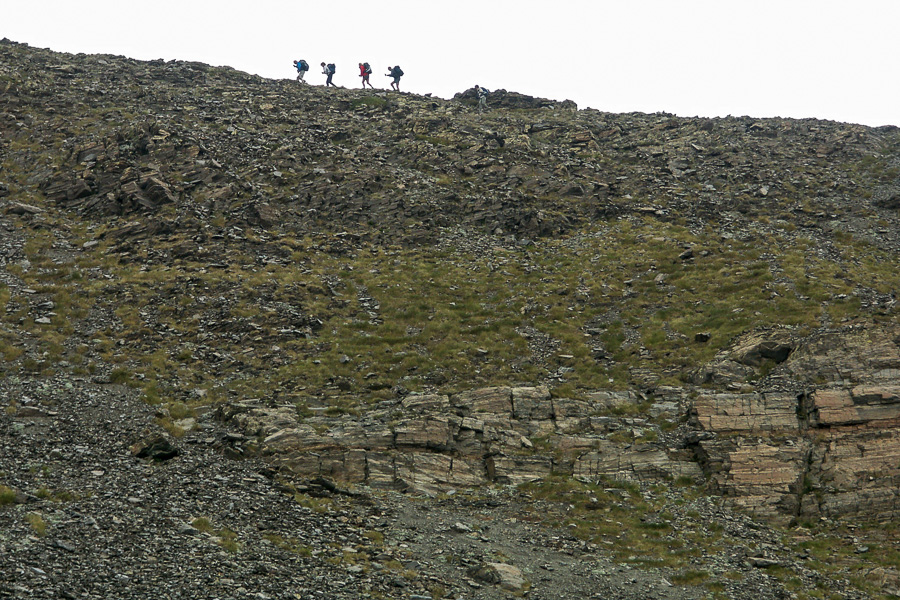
pixel 690 577
pixel 617 516
pixel 376 537
pixel 7 495
pixel 224 537
pixel 45 493
pixel 387 317
pixel 651 528
pixel 202 524
pixel 319 505
pixel 37 523
pixel 290 544
pixel 370 101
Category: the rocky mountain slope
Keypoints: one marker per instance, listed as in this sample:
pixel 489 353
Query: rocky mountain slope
pixel 263 339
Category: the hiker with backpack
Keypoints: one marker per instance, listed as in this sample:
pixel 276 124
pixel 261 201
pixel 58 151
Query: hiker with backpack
pixel 329 70
pixel 364 71
pixel 396 73
pixel 482 94
pixel 302 67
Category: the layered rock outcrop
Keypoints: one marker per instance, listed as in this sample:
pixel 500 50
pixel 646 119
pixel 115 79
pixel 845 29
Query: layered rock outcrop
pixel 827 446
pixel 433 443
pixel 801 452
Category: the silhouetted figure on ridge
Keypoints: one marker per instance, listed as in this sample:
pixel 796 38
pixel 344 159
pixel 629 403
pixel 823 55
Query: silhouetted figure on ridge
pixel 396 73
pixel 302 67
pixel 364 71
pixel 482 94
pixel 329 70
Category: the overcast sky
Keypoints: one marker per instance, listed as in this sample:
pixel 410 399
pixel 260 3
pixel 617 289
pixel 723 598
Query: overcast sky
pixel 827 59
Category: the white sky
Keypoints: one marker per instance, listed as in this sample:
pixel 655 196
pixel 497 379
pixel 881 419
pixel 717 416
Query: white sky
pixel 827 59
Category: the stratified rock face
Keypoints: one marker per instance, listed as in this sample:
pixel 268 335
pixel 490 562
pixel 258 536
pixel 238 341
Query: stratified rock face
pixel 641 462
pixel 747 413
pixel 852 355
pixel 801 452
pixel 437 442
pixel 874 406
pixel 829 450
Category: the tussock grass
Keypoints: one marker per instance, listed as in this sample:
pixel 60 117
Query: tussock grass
pixel 224 537
pixel 617 516
pixel 690 577
pixel 7 495
pixel 37 523
pixel 422 318
pixel 370 101
pixel 45 493
pixel 289 544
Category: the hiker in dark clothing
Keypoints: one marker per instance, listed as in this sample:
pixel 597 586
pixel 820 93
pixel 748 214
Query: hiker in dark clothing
pixel 302 67
pixel 328 70
pixel 396 73
pixel 364 71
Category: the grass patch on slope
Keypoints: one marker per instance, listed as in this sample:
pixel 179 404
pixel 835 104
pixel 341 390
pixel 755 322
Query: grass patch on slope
pixel 636 528
pixel 581 311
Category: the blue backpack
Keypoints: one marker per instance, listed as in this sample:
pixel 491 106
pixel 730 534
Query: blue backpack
pixel 302 65
pixel 398 72
pixel 331 68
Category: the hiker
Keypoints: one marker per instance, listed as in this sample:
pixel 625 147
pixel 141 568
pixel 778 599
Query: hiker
pixel 396 73
pixel 328 70
pixel 302 67
pixel 364 71
pixel 482 94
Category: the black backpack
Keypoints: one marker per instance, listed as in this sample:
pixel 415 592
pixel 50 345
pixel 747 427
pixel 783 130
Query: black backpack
pixel 398 72
pixel 304 66
pixel 331 68
pixel 367 68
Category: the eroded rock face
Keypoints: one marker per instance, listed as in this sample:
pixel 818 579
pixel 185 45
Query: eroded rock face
pixel 747 413
pixel 435 443
pixel 805 451
pixel 850 355
pixel 822 449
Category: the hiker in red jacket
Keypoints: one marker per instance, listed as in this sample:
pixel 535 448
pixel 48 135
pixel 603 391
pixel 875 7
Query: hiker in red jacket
pixel 364 71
